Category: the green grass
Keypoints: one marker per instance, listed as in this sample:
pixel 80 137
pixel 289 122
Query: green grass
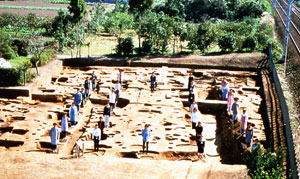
pixel 16 62
pixel 32 8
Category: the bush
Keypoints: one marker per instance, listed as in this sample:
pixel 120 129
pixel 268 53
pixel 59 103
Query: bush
pixel 9 76
pixel 147 47
pixel 277 50
pixel 250 43
pixel 125 46
pixel 45 57
pixel 265 165
pixel 7 51
pixel 227 42
pixel 21 46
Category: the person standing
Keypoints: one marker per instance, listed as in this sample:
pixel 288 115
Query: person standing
pixel 94 80
pixel 230 100
pixel 121 77
pixel 193 105
pixel 195 117
pixel 64 126
pixel 78 99
pixel 101 125
pixel 153 82
pixel 199 130
pixel 224 90
pixel 191 78
pixel 192 86
pixel 112 100
pixel 83 95
pixel 255 145
pixel 146 137
pixel 201 146
pixel 87 86
pixel 107 113
pixel 191 97
pixel 249 135
pixel 243 122
pixel 235 110
pixel 73 114
pixel 117 90
pixel 54 135
pixel 96 135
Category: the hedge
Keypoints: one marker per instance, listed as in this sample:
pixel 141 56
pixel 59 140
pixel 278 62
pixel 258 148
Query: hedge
pixel 10 76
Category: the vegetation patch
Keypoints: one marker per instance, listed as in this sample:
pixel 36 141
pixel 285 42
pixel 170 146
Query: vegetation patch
pixel 32 8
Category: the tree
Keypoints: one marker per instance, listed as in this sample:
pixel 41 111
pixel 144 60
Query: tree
pixel 24 67
pixel 98 15
pixel 77 9
pixel 173 8
pixel 159 28
pixel 118 22
pixel 140 7
pixel 60 26
pixel 250 8
pixel 36 49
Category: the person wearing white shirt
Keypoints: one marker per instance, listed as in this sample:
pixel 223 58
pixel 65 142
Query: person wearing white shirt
pixel 117 90
pixel 112 99
pixel 96 136
pixel 120 77
pixel 193 105
pixel 195 117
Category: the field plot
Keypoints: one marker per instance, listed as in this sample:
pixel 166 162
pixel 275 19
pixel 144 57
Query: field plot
pixel 44 9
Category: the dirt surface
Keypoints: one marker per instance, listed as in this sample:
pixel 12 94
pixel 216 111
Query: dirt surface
pixel 41 165
pixel 25 126
pixel 232 61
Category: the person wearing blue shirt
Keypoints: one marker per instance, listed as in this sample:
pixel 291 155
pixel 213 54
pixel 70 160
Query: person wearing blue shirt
pixel 64 125
pixel 153 82
pixel 73 114
pixel 78 99
pixel 54 135
pixel 146 137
